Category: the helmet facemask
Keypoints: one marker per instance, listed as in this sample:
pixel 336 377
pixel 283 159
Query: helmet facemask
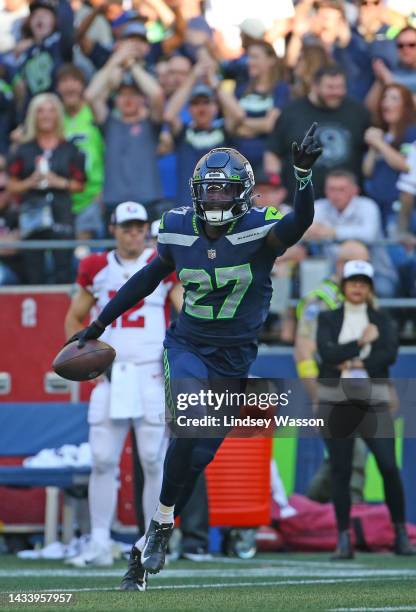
pixel 219 201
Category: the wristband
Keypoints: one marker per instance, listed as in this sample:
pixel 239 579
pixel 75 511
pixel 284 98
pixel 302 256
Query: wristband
pixel 308 368
pixel 303 180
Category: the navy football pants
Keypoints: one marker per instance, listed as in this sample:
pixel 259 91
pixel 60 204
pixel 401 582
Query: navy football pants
pixel 187 457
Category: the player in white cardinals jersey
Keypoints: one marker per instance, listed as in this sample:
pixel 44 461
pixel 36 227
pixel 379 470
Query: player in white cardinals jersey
pixel 142 327
pixel 133 393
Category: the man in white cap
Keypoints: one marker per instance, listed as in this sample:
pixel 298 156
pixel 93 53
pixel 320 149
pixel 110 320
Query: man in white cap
pixel 132 394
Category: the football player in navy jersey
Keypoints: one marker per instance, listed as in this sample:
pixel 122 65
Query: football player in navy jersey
pixel 223 250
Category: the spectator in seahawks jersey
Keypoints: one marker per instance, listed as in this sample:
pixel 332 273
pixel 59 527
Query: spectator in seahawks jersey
pixel 205 130
pixel 261 98
pixel 81 129
pixel 47 47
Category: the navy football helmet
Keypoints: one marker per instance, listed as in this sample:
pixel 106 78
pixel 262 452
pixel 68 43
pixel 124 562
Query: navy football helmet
pixel 221 186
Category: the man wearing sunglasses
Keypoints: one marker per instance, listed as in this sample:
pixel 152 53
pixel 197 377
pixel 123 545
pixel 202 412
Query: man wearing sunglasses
pixel 405 72
pixel 372 38
pixel 406 48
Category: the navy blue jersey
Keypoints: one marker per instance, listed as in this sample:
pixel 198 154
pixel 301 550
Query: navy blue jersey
pixel 226 281
pixel 39 64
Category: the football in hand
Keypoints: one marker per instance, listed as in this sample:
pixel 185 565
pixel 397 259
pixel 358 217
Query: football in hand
pixel 84 363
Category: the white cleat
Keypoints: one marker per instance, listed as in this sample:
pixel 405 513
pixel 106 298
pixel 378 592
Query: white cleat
pixel 95 554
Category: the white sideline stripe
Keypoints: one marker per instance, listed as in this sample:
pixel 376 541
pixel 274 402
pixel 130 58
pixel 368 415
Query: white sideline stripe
pixel 297 563
pixel 366 609
pixel 261 572
pixel 224 585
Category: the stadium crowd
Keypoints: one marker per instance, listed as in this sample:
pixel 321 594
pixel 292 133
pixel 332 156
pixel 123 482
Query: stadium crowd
pixel 110 101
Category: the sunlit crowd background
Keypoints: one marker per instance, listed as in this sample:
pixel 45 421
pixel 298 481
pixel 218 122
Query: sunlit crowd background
pixel 105 102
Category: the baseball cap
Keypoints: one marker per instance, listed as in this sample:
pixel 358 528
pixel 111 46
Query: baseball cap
pixel 125 17
pixel 265 178
pixel 129 211
pixel 358 267
pixel 253 27
pixel 201 90
pixel 135 28
pixel 51 5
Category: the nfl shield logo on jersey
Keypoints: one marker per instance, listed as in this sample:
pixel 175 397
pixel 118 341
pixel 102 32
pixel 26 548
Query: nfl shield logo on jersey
pixel 212 253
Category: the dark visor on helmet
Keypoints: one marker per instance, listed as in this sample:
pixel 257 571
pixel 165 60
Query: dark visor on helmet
pixel 218 192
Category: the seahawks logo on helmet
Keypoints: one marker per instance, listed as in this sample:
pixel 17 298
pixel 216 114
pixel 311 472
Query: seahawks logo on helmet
pixel 222 186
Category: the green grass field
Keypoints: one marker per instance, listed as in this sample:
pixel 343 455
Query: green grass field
pixel 268 582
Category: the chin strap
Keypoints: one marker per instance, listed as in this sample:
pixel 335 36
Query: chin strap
pixel 217 223
pixel 303 177
pixel 227 221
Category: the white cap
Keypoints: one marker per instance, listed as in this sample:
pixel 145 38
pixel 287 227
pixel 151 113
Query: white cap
pixel 255 28
pixel 129 211
pixel 358 267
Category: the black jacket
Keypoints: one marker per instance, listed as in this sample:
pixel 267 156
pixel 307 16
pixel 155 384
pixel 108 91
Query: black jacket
pixel 383 350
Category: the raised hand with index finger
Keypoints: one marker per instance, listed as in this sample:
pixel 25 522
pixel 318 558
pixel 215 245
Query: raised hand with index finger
pixel 306 154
